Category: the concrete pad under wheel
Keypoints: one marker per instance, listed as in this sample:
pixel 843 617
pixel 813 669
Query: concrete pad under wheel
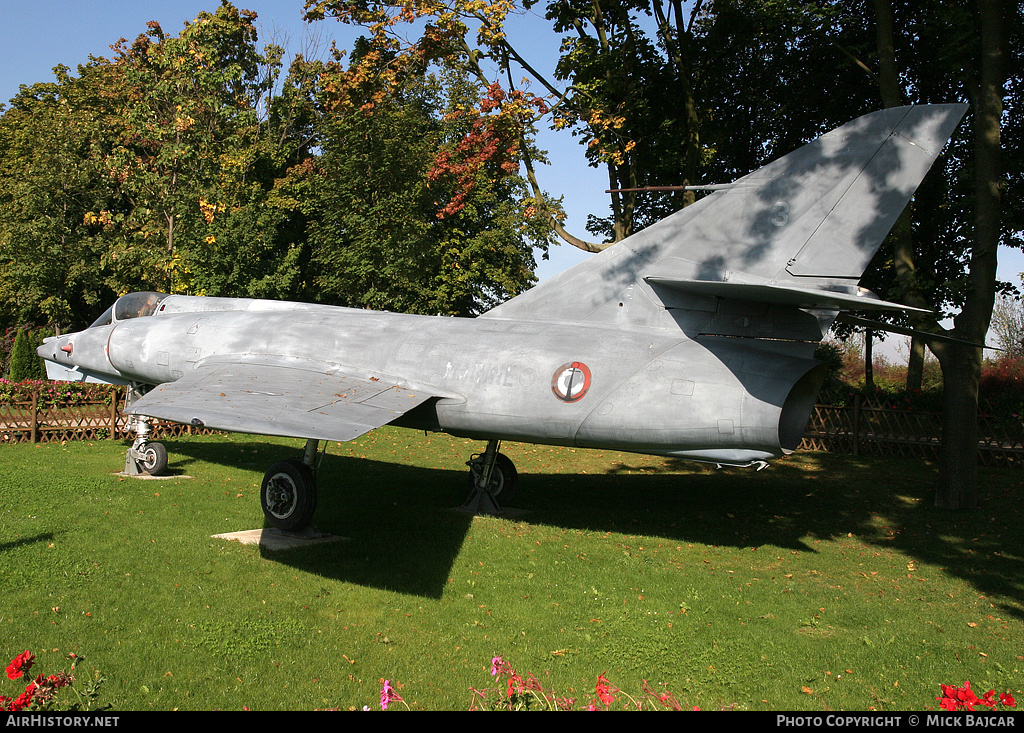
pixel 147 477
pixel 275 539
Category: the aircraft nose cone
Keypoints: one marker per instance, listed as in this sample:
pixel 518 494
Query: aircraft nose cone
pixel 56 349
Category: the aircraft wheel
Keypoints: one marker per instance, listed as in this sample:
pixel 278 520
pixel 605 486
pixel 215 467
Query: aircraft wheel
pixel 154 459
pixel 288 495
pixel 504 477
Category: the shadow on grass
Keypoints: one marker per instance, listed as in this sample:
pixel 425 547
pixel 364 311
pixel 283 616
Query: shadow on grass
pixel 405 535
pixel 402 532
pixel 24 541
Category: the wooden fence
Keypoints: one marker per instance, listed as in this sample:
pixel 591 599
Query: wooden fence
pixel 874 428
pixel 31 421
pixel 865 427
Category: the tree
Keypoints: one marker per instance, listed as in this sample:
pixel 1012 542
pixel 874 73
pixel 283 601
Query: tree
pixel 625 80
pixel 185 147
pixel 977 63
pixel 52 145
pixel 1008 326
pixel 153 170
pixel 184 163
pixel 411 202
pixel 942 253
pixel 24 363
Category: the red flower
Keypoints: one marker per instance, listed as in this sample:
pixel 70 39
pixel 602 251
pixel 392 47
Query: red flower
pixel 514 686
pixel 603 690
pixel 20 665
pixel 963 698
pixel 23 700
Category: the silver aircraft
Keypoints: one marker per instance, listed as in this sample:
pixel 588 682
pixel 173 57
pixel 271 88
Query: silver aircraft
pixel 693 338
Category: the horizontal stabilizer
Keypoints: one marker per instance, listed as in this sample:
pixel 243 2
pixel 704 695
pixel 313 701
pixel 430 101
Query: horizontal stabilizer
pixel 904 331
pixel 791 295
pixel 274 400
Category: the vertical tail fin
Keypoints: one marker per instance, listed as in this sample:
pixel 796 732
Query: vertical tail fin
pixel 812 220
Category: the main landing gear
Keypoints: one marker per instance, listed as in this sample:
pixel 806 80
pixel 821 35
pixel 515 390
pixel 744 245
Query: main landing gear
pixel 492 478
pixel 288 494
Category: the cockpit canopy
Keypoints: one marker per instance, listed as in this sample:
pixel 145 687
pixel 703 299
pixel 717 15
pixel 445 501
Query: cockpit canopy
pixel 132 305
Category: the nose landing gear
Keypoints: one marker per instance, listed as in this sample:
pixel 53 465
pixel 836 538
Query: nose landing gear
pixel 144 457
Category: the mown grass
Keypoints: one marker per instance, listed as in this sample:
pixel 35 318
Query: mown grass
pixel 822 582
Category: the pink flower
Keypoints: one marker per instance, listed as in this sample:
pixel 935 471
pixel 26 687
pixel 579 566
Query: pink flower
pixel 388 695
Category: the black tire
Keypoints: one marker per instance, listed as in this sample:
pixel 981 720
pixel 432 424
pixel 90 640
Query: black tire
pixel 154 459
pixel 288 495
pixel 504 478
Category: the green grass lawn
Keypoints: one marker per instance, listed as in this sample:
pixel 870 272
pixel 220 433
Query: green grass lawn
pixel 821 583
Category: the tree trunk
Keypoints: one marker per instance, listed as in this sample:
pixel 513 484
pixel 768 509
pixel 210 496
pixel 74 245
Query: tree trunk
pixel 915 365
pixel 901 237
pixel 961 365
pixel 958 464
pixel 869 360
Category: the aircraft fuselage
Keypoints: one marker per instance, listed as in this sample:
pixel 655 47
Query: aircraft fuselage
pixel 642 390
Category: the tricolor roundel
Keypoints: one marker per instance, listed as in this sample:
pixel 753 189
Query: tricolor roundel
pixel 571 381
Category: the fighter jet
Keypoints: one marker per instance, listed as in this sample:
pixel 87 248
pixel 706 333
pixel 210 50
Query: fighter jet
pixel 693 338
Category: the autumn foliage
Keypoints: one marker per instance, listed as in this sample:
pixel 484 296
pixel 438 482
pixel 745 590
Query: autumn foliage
pixel 492 145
